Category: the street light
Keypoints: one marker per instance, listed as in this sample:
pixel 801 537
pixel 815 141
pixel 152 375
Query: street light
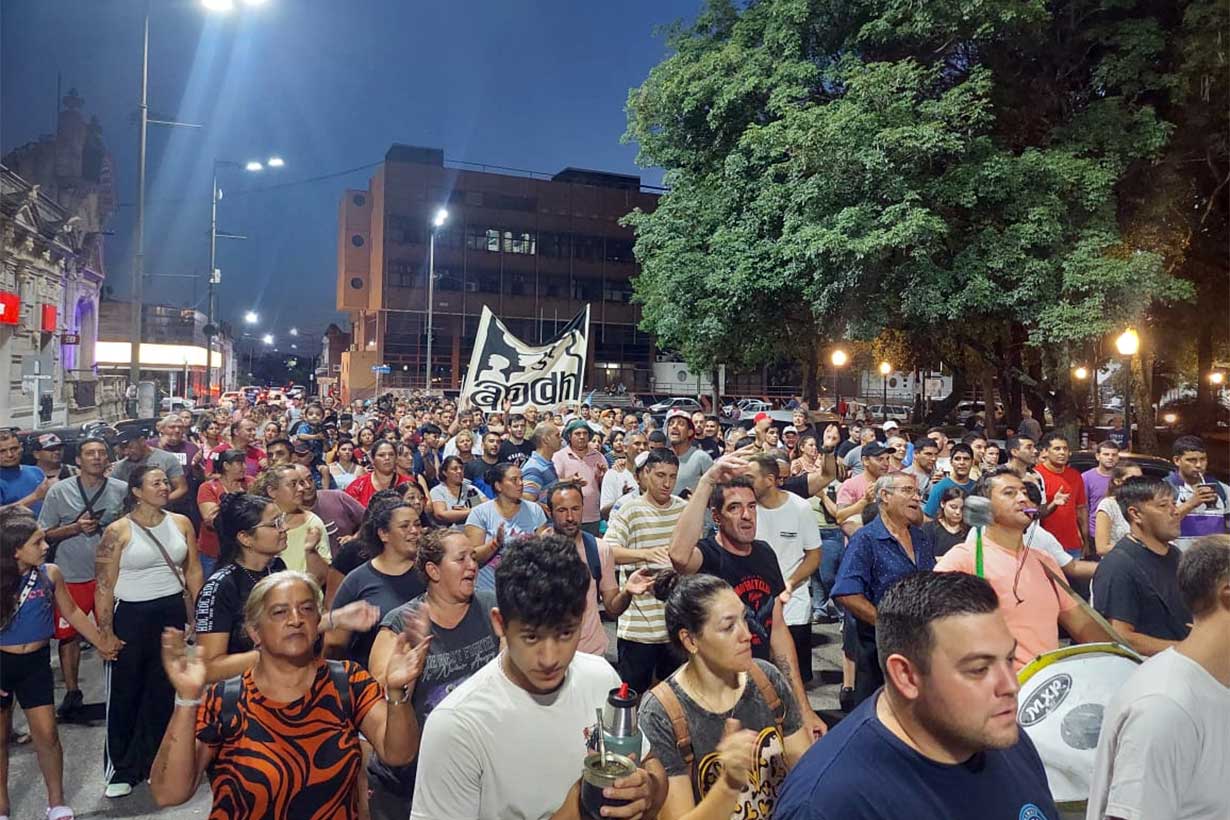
pixel 275 162
pixel 267 338
pixel 1128 344
pixel 1217 377
pixel 885 369
pixel 251 317
pixel 838 358
pixel 436 223
pixel 253 165
pixel 294 331
pixel 1081 373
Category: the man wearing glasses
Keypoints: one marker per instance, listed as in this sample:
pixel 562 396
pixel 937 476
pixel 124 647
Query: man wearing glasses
pixel 1032 604
pixel 891 546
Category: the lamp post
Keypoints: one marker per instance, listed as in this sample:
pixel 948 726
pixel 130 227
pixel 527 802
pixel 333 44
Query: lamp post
pixel 215 274
pixel 838 358
pixel 885 369
pixel 1128 344
pixel 1080 373
pixel 436 223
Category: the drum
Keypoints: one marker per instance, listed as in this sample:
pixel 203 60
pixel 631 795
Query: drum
pixel 1060 704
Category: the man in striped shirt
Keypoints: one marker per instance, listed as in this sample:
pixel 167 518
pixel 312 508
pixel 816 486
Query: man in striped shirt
pixel 640 535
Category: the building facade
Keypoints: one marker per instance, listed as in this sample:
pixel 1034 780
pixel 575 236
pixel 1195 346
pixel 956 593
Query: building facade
pixel 534 249
pixel 173 348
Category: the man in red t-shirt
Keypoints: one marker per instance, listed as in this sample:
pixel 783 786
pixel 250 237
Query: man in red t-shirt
pixel 1067 505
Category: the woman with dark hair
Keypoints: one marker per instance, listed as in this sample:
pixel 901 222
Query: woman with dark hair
pixel 364 439
pixel 493 523
pixel 949 527
pixel 1109 525
pixel 147 576
pixel 353 552
pixel 342 468
pixel 209 434
pixel 30 593
pixel 384 474
pixel 458 620
pixel 454 497
pixel 391 536
pixel 414 496
pixel 228 477
pixel 271 433
pixel 744 728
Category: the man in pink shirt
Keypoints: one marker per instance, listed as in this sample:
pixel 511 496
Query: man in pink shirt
pixel 854 494
pixel 1032 604
pixel 565 503
pixel 585 467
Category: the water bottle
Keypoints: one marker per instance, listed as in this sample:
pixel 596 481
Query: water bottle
pixel 619 723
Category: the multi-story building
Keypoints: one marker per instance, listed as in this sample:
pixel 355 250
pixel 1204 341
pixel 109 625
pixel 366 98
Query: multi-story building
pixel 173 347
pixel 534 249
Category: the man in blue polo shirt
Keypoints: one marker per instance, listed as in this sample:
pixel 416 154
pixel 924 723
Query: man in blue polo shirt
pixel 20 483
pixel 892 545
pixel 1203 501
pixel 940 741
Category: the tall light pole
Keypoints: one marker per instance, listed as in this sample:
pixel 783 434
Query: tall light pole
pixel 838 358
pixel 436 223
pixel 885 369
pixel 215 274
pixel 1128 344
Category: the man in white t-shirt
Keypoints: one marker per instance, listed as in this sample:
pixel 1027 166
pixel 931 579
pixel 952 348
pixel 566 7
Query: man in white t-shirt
pixel 787 523
pixel 512 739
pixel 1164 751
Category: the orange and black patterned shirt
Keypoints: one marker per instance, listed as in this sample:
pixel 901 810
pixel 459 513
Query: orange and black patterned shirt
pixel 295 760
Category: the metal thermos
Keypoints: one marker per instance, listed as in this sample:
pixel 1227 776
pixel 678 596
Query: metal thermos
pixel 619 723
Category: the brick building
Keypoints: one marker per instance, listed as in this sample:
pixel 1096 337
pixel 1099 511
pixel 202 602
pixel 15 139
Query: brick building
pixel 534 249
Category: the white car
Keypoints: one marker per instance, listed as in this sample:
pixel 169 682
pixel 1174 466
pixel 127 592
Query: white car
pixel 746 407
pixel 895 412
pixel 676 403
pixel 171 403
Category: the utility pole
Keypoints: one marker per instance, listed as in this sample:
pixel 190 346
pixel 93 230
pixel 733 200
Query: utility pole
pixel 138 265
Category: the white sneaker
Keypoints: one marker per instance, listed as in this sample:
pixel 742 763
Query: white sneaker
pixel 118 790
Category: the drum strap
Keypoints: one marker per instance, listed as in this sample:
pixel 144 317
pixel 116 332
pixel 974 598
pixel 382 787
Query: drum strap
pixel 1057 578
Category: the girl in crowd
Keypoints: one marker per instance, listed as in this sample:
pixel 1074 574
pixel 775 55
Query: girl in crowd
pixel 342 469
pixel 949 527
pixel 145 564
pixel 31 591
pixel 383 476
pixel 283 739
pixel 458 620
pixel 228 477
pixel 454 497
pixel 354 551
pixel 364 441
pixel 272 432
pixel 210 434
pixel 492 523
pixel 1109 525
pixel 405 458
pixel 413 495
pixel 307 548
pixel 740 712
pixel 390 535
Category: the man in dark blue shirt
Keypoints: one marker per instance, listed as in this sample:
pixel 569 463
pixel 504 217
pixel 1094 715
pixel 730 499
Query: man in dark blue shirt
pixel 892 545
pixel 940 741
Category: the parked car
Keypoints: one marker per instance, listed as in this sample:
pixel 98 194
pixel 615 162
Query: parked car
pixel 966 409
pixel 746 407
pixel 233 396
pixel 171 403
pixel 885 412
pixel 676 403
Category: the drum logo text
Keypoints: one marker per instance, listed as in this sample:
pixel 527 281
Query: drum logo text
pixel 1044 701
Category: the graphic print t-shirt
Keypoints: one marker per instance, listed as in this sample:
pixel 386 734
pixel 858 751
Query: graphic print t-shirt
pixel 705 730
pixel 756 579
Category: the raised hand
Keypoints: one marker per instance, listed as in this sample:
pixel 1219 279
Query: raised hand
pixel 407 660
pixel 736 751
pixel 726 468
pixel 357 616
pixel 184 667
pixel 640 581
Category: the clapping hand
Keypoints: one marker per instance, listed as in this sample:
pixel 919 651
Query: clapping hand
pixel 409 654
pixel 1061 498
pixel 735 751
pixel 357 616
pixel 184 667
pixel 640 582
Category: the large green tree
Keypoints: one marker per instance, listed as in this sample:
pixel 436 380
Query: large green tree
pixel 952 170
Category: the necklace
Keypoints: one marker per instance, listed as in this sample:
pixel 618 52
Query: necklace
pixel 255 579
pixel 694 691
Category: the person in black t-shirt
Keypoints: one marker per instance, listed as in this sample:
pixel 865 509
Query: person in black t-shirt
pixel 1136 584
pixel 516 449
pixel 748 565
pixel 940 740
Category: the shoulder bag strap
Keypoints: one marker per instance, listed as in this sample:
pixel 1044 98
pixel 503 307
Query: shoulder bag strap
pixel 341 682
pixel 674 710
pixel 166 556
pixel 90 501
pixel 228 713
pixel 769 694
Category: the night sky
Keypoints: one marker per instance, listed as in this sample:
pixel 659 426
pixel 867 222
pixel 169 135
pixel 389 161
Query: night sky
pixel 329 86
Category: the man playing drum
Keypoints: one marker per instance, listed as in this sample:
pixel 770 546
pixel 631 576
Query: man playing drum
pixel 1032 604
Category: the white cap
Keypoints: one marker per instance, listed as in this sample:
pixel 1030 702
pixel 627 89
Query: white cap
pixel 891 425
pixel 641 458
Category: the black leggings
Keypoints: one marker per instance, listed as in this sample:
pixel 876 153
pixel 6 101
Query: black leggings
pixel 139 696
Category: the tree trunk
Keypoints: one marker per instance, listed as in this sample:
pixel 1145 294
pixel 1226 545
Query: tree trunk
pixel 988 400
pixel 1206 396
pixel 1142 399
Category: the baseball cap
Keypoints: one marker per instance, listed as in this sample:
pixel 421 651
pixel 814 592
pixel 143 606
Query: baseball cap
pixel 790 428
pixel 759 417
pixel 676 413
pixel 48 441
pixel 129 434
pixel 640 460
pixel 874 449
pixel 891 425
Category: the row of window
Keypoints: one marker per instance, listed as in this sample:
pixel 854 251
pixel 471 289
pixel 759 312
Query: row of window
pixel 405 274
pixel 493 239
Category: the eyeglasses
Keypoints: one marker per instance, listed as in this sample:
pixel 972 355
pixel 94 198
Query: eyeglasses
pixel 278 523
pixel 912 492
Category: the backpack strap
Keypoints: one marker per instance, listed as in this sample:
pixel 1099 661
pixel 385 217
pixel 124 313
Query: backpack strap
pixel 341 682
pixel 769 693
pixel 592 557
pixel 228 713
pixel 674 710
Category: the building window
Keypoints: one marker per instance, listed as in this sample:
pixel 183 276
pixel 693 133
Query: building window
pixel 356 283
pixel 359 200
pixel 402 274
pixel 357 241
pixel 519 242
pixel 619 250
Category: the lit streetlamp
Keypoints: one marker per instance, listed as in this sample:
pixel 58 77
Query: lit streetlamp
pixel 1128 344
pixel 885 369
pixel 437 222
pixel 251 317
pixel 1081 373
pixel 838 358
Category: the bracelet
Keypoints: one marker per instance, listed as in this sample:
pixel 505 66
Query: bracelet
pixel 332 622
pixel 405 697
pixel 187 701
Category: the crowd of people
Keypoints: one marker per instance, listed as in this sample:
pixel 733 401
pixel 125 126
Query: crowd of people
pixel 395 609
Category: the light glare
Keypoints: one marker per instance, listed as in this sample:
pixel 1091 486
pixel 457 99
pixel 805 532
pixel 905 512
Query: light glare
pixel 254 166
pixel 275 162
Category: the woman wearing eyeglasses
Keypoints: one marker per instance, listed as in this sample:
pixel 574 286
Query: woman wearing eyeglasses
pixel 251 534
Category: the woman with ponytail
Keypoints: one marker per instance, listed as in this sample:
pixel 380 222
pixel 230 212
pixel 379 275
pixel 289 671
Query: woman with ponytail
pixel 744 728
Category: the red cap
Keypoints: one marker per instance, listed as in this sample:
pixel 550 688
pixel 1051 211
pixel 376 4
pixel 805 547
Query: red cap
pixel 759 417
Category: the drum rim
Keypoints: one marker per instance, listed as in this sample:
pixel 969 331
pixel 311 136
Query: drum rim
pixel 1047 658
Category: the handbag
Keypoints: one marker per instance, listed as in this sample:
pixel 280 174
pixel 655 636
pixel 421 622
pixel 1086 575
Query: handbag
pixel 189 604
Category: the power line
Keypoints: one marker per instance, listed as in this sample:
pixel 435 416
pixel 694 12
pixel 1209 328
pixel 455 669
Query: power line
pixel 262 189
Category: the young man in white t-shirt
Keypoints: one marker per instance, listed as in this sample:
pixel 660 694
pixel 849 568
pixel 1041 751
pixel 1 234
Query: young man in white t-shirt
pixel 1164 750
pixel 787 524
pixel 512 739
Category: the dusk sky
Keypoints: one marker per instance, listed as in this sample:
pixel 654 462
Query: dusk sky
pixel 328 86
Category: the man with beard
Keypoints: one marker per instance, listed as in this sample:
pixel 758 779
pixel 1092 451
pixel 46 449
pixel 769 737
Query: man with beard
pixel 20 483
pixel 749 565
pixel 941 739
pixel 693 461
pixel 1033 606
pixel 890 546
pixel 137 453
pixel 564 501
pixel 578 461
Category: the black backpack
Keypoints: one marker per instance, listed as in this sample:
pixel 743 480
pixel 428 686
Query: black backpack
pixel 232 688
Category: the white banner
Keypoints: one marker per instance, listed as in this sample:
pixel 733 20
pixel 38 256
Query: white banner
pixel 504 368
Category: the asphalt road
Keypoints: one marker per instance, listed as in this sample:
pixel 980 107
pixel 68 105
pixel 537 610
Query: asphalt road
pixel 83 745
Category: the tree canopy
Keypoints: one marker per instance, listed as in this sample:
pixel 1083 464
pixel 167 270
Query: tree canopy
pixel 1010 178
